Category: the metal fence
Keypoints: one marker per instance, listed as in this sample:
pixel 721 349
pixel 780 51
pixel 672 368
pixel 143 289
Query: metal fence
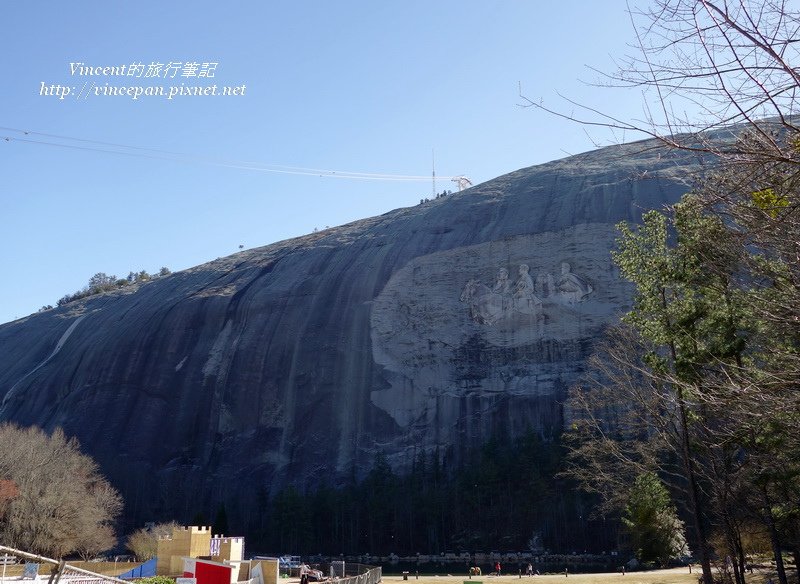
pixel 361 574
pixel 19 565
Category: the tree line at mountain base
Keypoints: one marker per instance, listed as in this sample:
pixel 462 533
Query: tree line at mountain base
pixel 505 495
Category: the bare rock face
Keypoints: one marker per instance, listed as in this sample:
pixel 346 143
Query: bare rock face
pixel 428 327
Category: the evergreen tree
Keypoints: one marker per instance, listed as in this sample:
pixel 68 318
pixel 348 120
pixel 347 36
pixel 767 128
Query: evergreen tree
pixel 656 532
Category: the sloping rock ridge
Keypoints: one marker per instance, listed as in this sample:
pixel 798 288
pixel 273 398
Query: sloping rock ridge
pixel 430 327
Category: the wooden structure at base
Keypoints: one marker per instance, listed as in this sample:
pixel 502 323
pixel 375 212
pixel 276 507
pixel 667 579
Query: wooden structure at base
pixel 197 542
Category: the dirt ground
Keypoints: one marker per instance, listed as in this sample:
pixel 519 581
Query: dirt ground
pixel 671 576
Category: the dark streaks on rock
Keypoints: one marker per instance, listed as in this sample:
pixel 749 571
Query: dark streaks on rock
pixel 234 378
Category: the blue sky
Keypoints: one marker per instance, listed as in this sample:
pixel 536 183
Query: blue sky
pixel 361 86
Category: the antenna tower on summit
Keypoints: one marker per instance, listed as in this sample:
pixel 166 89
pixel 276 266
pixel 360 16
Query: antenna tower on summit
pixel 433 172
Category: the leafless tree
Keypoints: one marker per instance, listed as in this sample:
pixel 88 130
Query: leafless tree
pixel 721 78
pixel 703 66
pixel 61 503
pixel 628 419
pixel 144 542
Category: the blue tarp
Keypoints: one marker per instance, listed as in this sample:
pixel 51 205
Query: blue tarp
pixel 145 570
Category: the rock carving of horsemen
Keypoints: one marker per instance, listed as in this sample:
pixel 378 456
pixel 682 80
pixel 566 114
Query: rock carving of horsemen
pixel 572 287
pixel 485 306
